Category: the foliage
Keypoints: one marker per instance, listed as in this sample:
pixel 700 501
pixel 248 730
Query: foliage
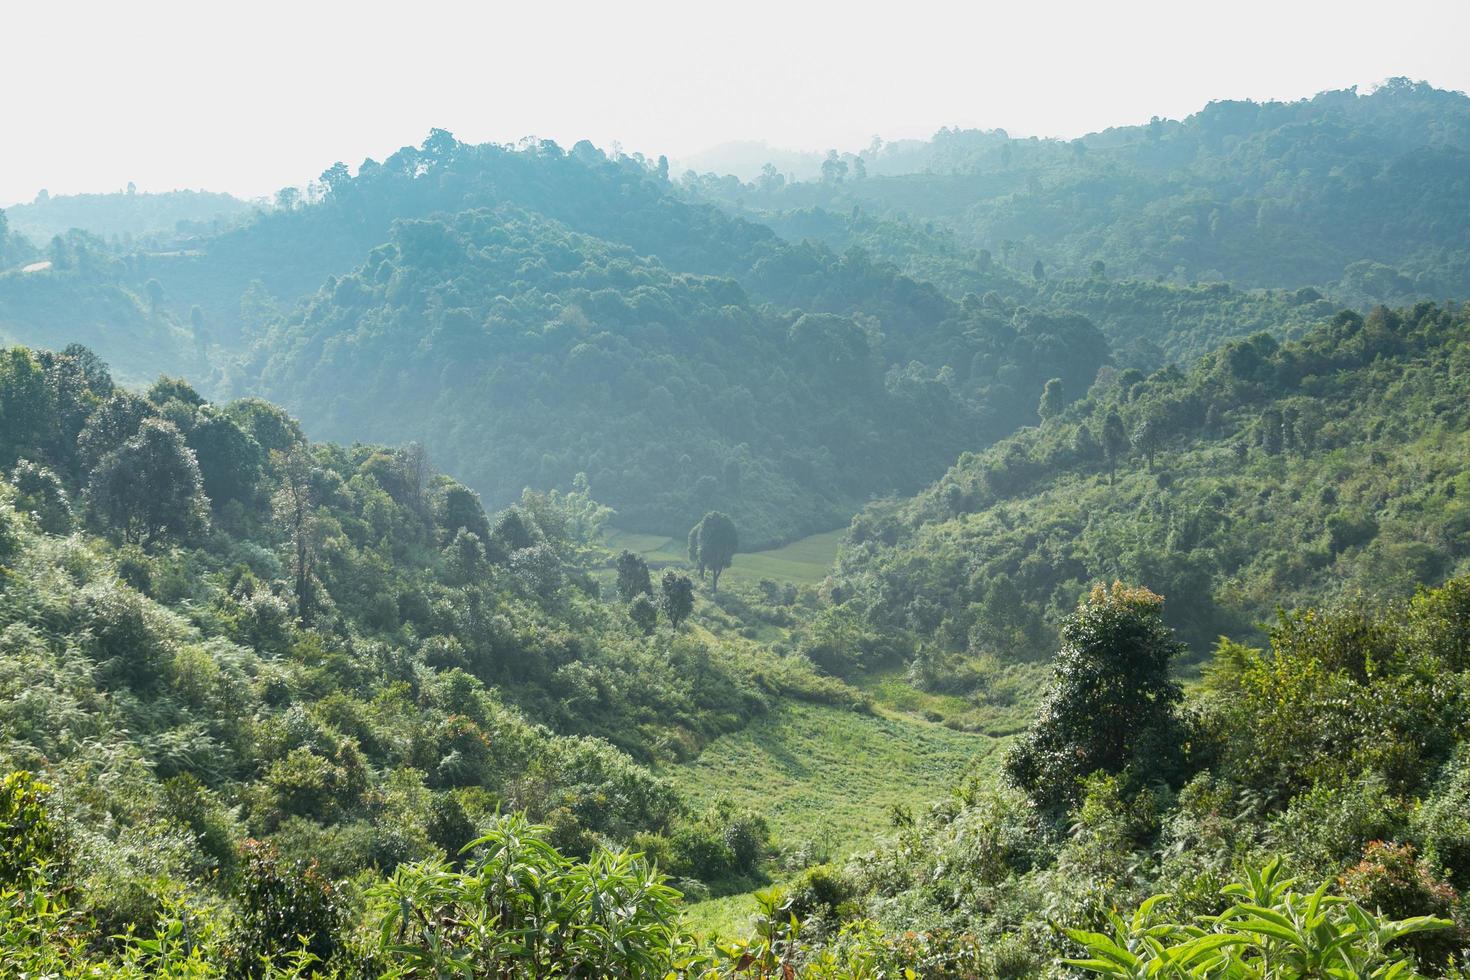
pixel 1112 702
pixel 712 545
pixel 991 557
pixel 1269 931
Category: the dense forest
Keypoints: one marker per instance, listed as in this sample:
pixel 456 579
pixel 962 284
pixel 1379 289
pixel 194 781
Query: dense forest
pixel 431 571
pixel 1347 190
pixel 129 217
pixel 556 354
pixel 1268 475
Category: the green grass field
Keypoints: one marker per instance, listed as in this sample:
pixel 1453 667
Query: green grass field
pixel 831 776
pixel 802 562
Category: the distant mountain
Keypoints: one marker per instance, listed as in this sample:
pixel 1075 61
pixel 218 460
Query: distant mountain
pixel 747 158
pixel 128 215
pixel 522 353
pixel 1363 194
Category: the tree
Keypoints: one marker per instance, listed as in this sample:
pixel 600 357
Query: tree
pixel 714 540
pixel 1146 439
pixel 27 405
pixel 1114 441
pixel 834 168
pixel 676 597
pixel 459 508
pixel 692 549
pixel 230 462
pixel 285 906
pixel 1084 443
pixel 154 288
pixel 40 493
pixel 1112 699
pixel 464 558
pixel 537 568
pixel 643 613
pixel 149 488
pixel 633 578
pixel 295 507
pixel 1272 439
pixel 770 179
pixel 111 424
pixel 512 531
pixel 1052 400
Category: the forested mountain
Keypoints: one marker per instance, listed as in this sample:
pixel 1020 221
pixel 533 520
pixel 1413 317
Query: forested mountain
pixel 264 699
pixel 284 699
pixel 292 249
pixel 525 353
pixel 1149 322
pixel 1361 193
pixel 127 216
pixel 565 315
pixel 78 290
pixel 1267 475
pixel 14 248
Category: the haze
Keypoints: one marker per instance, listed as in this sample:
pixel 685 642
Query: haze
pixel 173 95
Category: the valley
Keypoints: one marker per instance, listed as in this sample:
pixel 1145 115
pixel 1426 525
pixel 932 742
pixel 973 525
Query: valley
pixel 516 560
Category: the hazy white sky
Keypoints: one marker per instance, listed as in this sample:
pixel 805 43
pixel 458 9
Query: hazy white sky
pixel 249 97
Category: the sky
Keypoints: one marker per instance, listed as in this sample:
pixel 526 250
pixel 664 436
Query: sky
pixel 251 97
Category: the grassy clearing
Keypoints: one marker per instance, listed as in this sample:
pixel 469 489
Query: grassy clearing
pixel 830 776
pixel 829 779
pixel 895 695
pixel 728 916
pixel 802 562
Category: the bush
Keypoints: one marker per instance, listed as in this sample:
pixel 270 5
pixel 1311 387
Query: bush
pixel 283 908
pixel 32 847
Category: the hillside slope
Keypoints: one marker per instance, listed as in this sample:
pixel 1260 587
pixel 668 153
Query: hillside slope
pixel 1363 192
pixel 520 352
pixel 1269 475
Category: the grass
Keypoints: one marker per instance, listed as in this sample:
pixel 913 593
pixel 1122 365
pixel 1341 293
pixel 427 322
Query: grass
pixel 728 916
pixel 802 562
pixel 897 696
pixel 805 561
pixel 830 776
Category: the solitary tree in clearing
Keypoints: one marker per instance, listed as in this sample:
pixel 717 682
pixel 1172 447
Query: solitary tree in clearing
pixel 712 543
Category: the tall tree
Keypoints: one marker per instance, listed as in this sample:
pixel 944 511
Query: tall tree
pixel 633 578
pixel 229 460
pixel 1114 441
pixel 676 597
pixel 149 489
pixel 692 550
pixel 643 613
pixel 1272 439
pixel 1146 439
pixel 1053 400
pixel 1112 698
pixel 715 540
pixel 27 405
pixel 295 507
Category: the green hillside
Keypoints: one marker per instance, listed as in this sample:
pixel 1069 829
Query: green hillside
pixel 523 353
pixel 1346 190
pixel 1269 475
